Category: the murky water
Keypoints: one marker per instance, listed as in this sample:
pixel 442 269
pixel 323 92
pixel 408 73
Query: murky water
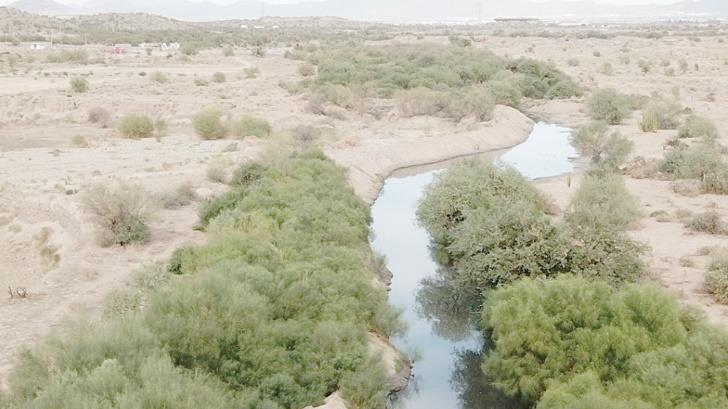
pixel 440 336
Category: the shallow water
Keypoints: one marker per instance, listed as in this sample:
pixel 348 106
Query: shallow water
pixel 448 351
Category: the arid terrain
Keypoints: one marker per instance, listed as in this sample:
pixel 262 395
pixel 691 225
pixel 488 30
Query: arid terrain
pixel 50 152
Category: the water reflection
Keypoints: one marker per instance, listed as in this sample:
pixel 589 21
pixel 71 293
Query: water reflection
pixel 442 318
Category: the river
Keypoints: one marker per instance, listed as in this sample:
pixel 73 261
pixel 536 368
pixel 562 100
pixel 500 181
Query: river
pixel 446 349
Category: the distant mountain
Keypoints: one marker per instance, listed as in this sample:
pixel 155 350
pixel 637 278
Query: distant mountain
pixel 384 10
pixel 45 7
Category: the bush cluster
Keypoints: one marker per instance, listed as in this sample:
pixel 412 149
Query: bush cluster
pixel 491 227
pixel 607 150
pixel 696 126
pixel 610 106
pixel 271 313
pixel 702 161
pixel 208 124
pixel 407 70
pixel 136 126
pixel 79 85
pixel 252 126
pixel 660 113
pixel 716 279
pixel 121 212
pixel 574 343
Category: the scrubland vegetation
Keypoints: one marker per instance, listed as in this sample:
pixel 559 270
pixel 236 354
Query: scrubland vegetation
pixel 571 326
pixel 452 81
pixel 136 126
pixel 272 313
pixel 571 342
pixel 610 106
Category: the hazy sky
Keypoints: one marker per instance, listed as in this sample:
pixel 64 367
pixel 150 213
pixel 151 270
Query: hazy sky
pixel 297 1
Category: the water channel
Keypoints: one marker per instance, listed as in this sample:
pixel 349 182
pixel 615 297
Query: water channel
pixel 447 349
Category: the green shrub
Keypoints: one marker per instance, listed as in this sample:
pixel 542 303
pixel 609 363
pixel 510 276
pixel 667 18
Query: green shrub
pixel 136 126
pixel 697 161
pixel 252 126
pixel 79 85
pixel 208 124
pixel 383 71
pixel 609 105
pixel 228 51
pixel 607 150
pixel 476 101
pixel 660 113
pixel 698 127
pixel 120 212
pixel 189 49
pixel 218 77
pixel 603 202
pixel 466 186
pixel 159 77
pixel 272 312
pixel 716 278
pixel 548 333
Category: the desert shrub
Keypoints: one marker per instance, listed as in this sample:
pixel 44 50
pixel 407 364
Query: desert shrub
pixel 716 278
pixel 181 196
pixel 572 62
pixel 252 126
pixel 609 105
pixel 251 72
pixel 208 124
pixel 120 211
pixel 272 312
pixel 189 49
pixel 157 76
pixel 305 134
pixel 216 173
pixel 710 222
pixel 306 69
pixel 607 150
pixel 78 56
pixel 697 161
pixel 476 101
pixel 698 127
pixel 660 113
pixel 505 91
pixel 384 71
pixel 543 80
pixel 79 85
pixel 247 174
pixel 464 187
pixel 338 95
pixel 716 181
pixel 228 51
pixel 603 201
pixel 607 69
pixel 100 117
pixel 550 332
pixel 421 101
pixel 201 82
pixel 136 126
pixel 218 77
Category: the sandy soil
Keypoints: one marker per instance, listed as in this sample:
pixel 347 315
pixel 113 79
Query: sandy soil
pixel 50 153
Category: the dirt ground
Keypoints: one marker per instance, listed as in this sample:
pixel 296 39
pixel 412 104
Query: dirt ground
pixel 50 153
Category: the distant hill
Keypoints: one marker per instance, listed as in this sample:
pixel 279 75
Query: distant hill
pixel 383 10
pixel 45 7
